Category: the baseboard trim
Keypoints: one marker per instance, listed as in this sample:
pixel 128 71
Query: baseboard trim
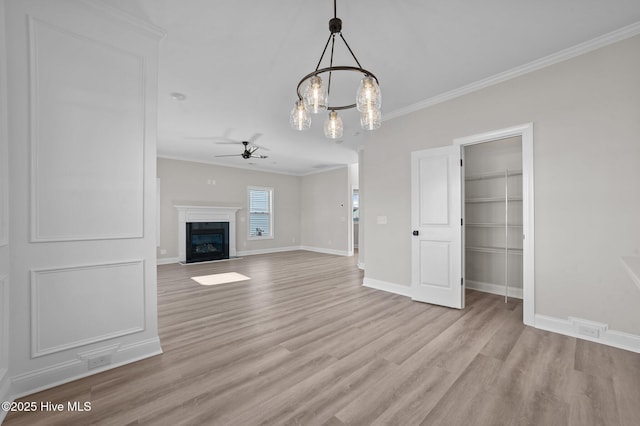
pixel 54 375
pixel 5 391
pixel 267 251
pixel 514 292
pixel 569 327
pixel 239 253
pixel 327 251
pixel 401 290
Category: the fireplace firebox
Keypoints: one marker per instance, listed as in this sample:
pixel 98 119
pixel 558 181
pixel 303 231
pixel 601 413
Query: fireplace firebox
pixel 207 241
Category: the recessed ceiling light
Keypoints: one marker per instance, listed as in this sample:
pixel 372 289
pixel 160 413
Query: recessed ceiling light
pixel 176 96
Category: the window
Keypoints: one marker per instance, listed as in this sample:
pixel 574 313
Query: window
pixel 260 212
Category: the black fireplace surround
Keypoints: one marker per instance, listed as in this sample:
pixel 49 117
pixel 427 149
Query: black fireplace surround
pixel 207 241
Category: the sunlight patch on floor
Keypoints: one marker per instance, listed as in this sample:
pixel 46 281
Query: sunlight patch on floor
pixel 215 279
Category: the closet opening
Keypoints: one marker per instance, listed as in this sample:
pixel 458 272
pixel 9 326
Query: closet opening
pixel 493 216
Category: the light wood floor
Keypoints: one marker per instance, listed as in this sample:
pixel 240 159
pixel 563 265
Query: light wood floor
pixel 304 343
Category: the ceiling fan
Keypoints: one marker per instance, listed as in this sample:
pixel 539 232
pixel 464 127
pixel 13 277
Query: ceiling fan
pixel 249 152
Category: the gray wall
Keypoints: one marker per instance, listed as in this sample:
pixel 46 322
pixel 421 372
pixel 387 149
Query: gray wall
pixel 188 183
pixel 587 167
pixel 310 212
pixel 325 211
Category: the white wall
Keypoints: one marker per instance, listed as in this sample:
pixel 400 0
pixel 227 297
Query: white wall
pixel 325 216
pixel 189 183
pixel 5 373
pixel 82 87
pixel 363 212
pixel 587 168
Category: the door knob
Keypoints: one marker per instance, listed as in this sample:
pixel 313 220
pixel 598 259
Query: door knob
pixel 416 233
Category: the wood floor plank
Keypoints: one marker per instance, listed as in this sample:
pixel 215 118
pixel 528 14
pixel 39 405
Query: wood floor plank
pixel 592 401
pixel 302 342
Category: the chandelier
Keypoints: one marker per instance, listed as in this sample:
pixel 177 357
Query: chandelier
pixel 315 97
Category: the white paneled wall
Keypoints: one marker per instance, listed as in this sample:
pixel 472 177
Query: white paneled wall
pixel 87 174
pixel 5 373
pixel 97 291
pixel 82 94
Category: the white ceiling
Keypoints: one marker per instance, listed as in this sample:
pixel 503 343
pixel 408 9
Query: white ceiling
pixel 238 63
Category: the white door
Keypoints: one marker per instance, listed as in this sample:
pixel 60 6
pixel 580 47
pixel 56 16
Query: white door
pixel 436 219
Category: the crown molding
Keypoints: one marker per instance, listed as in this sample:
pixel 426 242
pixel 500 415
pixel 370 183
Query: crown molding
pixel 563 55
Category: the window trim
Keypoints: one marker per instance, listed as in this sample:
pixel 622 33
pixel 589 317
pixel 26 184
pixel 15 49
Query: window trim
pixel 271 221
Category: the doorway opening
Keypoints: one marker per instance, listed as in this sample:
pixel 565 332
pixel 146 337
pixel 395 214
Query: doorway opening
pixel 498 236
pixel 492 212
pixel 355 216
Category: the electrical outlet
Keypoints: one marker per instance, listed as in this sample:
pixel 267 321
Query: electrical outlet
pixel 586 330
pixel 163 251
pixel 99 361
pixel 592 329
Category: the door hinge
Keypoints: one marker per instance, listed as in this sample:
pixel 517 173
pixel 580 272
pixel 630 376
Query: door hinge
pixel 461 162
pixel 461 280
pixel 461 221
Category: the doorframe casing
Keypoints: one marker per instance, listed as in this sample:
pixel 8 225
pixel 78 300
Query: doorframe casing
pixel 525 131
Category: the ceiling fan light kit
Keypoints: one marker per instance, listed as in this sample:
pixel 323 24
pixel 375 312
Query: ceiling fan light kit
pixel 315 97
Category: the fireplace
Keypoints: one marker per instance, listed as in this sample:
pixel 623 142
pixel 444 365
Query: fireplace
pixel 207 241
pixel 206 214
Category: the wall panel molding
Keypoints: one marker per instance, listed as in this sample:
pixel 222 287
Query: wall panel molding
pixel 79 87
pixel 4 143
pixel 76 306
pixel 4 323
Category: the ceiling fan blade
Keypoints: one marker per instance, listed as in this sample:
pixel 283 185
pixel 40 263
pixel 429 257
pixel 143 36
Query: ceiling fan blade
pixel 226 133
pixel 261 147
pixel 201 137
pixel 253 138
pixel 229 155
pixel 259 156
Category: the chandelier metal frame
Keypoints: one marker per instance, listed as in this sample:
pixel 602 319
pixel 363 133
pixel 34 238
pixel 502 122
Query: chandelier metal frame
pixel 335 27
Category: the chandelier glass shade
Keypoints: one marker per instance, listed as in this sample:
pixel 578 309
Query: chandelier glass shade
pixel 299 117
pixel 316 94
pixel 333 126
pixel 368 96
pixel 371 119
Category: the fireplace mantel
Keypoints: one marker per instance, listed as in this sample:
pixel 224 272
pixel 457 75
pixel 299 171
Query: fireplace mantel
pixel 205 214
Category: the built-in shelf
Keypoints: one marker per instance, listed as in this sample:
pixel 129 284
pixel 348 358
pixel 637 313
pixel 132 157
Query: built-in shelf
pixel 502 250
pixel 492 175
pixel 490 200
pixel 499 192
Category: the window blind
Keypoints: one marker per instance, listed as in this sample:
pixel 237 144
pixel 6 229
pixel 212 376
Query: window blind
pixel 259 213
